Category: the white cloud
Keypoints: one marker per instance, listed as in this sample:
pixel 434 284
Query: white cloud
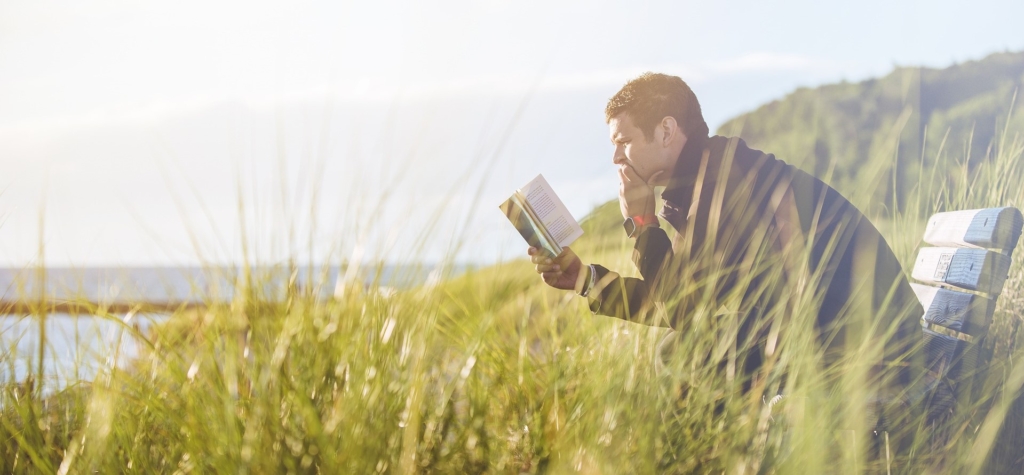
pixel 776 62
pixel 386 90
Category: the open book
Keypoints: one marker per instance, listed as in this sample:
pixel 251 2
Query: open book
pixel 541 218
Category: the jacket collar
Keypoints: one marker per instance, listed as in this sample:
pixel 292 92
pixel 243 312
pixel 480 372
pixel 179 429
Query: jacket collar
pixel 685 171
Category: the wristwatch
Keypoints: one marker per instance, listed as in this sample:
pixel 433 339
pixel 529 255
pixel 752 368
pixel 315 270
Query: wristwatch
pixel 633 225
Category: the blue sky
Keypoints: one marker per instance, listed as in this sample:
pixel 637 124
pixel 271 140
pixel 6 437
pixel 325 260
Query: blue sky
pixel 132 126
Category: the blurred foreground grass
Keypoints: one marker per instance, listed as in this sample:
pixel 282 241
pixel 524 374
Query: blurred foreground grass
pixel 491 372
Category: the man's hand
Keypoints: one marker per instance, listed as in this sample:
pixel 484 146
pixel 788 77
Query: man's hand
pixel 560 272
pixel 636 197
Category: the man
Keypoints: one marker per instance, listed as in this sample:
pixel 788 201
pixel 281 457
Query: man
pixel 754 240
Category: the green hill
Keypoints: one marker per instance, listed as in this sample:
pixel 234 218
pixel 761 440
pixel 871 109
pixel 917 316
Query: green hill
pixel 495 372
pixel 942 118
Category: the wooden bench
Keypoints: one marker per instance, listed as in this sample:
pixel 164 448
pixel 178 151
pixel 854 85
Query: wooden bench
pixel 960 279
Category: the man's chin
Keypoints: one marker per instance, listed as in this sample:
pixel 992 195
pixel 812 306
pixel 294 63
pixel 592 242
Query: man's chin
pixel 659 181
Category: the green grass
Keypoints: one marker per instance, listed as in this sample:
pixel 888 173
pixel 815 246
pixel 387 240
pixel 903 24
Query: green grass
pixel 492 372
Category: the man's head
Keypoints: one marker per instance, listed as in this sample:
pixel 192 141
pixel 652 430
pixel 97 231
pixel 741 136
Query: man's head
pixel 650 119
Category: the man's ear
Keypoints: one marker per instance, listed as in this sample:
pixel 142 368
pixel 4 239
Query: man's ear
pixel 670 129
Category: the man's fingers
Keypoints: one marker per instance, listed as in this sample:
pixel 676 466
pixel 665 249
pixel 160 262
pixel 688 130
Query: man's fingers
pixel 538 256
pixel 630 175
pixel 542 268
pixel 566 254
pixel 551 277
pixel 565 260
pixel 626 175
pixel 552 269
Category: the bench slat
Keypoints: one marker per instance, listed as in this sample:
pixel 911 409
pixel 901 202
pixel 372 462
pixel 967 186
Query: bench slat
pixel 960 311
pixel 952 366
pixel 990 228
pixel 941 354
pixel 973 269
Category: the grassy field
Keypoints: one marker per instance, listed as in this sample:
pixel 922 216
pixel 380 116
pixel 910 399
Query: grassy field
pixel 493 372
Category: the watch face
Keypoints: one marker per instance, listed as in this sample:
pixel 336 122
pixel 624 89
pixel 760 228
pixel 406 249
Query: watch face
pixel 629 226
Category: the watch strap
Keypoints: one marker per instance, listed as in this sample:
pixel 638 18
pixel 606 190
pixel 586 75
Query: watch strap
pixel 645 220
pixel 588 282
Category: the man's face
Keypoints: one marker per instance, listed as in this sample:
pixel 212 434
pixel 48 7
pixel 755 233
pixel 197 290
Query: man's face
pixel 632 149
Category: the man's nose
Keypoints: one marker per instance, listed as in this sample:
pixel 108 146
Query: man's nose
pixel 619 156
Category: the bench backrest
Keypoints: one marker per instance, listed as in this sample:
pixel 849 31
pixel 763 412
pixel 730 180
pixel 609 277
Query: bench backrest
pixel 960 279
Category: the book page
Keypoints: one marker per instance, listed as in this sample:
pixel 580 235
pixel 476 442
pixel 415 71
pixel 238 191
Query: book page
pixel 550 210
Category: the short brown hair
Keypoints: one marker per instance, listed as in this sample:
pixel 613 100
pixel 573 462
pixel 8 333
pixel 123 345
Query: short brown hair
pixel 652 97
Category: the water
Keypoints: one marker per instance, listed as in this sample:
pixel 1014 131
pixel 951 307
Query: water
pixel 78 347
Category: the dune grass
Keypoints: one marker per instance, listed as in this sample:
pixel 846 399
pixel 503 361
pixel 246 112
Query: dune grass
pixel 493 372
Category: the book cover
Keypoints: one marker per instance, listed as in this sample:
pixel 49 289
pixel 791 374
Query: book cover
pixel 540 217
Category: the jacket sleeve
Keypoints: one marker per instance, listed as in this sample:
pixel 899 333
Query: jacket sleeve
pixel 630 298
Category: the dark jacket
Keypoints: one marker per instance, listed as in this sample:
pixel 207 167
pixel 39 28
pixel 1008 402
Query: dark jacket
pixel 757 238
